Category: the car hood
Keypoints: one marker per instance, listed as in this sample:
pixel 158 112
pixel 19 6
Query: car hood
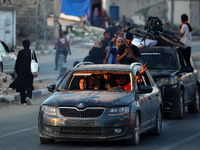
pixel 90 98
pixel 161 73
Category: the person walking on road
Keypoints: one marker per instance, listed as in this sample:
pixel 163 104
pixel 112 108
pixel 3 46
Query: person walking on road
pixel 186 38
pixel 24 81
pixel 103 18
pixel 61 46
pixel 128 53
pixel 96 17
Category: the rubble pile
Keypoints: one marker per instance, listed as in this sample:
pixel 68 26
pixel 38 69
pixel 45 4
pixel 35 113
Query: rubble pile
pixel 5 81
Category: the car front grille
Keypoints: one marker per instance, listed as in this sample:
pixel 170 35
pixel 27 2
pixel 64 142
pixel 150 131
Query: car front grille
pixel 83 132
pixel 79 113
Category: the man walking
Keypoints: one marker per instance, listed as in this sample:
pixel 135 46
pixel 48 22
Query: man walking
pixel 61 46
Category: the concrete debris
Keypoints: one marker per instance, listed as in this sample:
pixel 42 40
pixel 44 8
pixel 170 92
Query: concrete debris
pixel 5 81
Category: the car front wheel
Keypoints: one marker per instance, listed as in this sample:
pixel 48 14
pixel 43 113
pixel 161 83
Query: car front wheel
pixel 178 109
pixel 158 124
pixel 136 134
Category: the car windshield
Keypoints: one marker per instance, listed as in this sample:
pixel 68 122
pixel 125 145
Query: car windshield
pixel 157 60
pixel 108 81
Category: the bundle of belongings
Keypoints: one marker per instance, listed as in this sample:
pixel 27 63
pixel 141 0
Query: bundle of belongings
pixel 154 25
pixel 5 81
pixel 143 43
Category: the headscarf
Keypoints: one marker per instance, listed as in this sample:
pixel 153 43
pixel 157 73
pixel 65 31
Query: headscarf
pixel 97 43
pixel 120 38
pixel 26 43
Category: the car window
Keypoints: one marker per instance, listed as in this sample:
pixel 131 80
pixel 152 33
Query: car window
pixel 144 80
pixel 158 60
pixel 64 83
pixel 151 80
pixel 95 80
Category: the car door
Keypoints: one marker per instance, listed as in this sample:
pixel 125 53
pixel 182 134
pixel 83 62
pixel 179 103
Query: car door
pixel 145 101
pixel 187 79
pixel 155 96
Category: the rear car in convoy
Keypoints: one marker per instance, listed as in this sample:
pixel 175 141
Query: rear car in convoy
pixel 178 83
pixel 7 60
pixel 100 113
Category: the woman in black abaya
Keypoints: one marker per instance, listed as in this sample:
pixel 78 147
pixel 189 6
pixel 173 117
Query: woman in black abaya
pixel 24 81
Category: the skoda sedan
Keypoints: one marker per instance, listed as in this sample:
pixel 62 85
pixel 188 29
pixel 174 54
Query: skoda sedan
pixel 114 105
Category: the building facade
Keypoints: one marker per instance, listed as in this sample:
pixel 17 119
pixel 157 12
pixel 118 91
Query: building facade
pixel 166 10
pixel 136 10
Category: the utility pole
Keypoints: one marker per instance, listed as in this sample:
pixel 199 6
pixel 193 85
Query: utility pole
pixel 41 24
pixel 172 11
pixel 57 10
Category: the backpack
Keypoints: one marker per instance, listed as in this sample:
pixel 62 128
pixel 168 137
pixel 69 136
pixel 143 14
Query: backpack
pixel 154 24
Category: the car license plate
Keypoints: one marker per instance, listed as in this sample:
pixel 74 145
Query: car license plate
pixel 80 123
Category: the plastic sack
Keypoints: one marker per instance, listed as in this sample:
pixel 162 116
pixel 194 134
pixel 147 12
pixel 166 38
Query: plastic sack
pixel 34 65
pixel 148 42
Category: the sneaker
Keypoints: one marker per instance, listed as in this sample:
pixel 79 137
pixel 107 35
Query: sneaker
pixel 24 104
pixel 56 68
pixel 28 101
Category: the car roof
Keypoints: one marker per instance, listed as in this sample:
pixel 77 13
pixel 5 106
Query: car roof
pixel 103 67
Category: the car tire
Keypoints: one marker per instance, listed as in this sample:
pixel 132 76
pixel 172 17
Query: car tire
pixel 158 124
pixel 194 106
pixel 46 141
pixel 136 134
pixel 178 109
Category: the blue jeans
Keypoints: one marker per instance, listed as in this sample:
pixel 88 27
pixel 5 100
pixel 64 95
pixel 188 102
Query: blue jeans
pixel 58 52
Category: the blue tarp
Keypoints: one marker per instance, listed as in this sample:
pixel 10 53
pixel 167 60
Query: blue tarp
pixel 76 7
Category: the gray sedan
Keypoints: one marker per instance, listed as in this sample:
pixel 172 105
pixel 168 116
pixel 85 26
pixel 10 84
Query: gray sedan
pixel 106 109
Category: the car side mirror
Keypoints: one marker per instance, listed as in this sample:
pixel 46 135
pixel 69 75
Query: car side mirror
pixel 51 87
pixel 145 89
pixel 12 50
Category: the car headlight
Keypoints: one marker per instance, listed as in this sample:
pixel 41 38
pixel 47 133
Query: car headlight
pixel 49 110
pixel 118 111
pixel 166 81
